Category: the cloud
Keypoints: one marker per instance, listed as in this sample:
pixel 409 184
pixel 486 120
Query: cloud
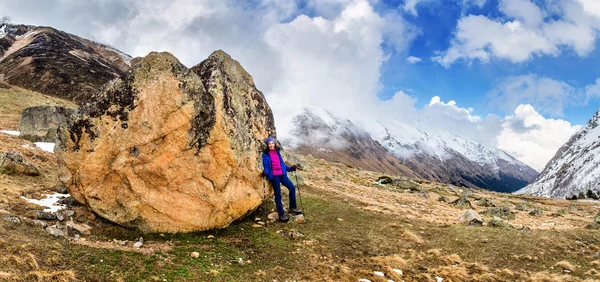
pixel 525 31
pixel 531 138
pixel 413 60
pixel 546 95
pixel 410 6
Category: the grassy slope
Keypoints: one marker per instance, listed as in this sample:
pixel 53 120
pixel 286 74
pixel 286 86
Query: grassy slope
pixel 354 227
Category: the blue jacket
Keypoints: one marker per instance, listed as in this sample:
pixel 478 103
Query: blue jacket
pixel 268 167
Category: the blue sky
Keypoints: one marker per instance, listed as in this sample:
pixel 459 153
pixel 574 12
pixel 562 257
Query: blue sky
pixel 468 83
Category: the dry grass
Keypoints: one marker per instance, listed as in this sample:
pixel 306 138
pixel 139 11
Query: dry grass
pixel 565 265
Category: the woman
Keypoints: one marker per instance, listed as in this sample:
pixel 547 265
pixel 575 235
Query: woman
pixel 275 171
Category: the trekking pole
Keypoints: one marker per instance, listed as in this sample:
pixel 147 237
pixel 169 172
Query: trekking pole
pixel 265 201
pixel 300 195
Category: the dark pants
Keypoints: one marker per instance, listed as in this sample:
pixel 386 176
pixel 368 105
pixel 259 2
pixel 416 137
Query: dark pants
pixel 277 181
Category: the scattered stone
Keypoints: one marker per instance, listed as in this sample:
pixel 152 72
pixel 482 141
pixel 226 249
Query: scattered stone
pixel 273 217
pixel 257 219
pixel 327 178
pixel 261 223
pixel 69 201
pixel 54 231
pixel 561 212
pixel 470 217
pixel 214 272
pixel 240 261
pixel 77 236
pixel 484 202
pixel 596 223
pixel 45 215
pixel 12 219
pixel 379 273
pixel 4 212
pixel 498 222
pixel 467 193
pixel 523 206
pixel 398 271
pixel 195 255
pixel 257 226
pixel 579 243
pixel 81 228
pixel 462 203
pixel 546 224
pixel 384 180
pixel 210 237
pixel 138 245
pixel 524 229
pixel 444 199
pixel 439 279
pixel 123 243
pixel 295 234
pixel 536 212
pixel 364 280
pixel 61 189
pixel 501 212
pixel 13 163
pixel 340 219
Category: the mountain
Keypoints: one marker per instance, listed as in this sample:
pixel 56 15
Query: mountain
pixel 57 63
pixel 574 168
pixel 448 158
pixel 321 134
pixel 402 149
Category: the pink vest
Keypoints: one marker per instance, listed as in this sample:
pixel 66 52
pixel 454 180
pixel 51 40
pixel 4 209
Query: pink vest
pixel 275 163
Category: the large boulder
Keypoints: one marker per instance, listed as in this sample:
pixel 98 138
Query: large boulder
pixel 169 149
pixel 39 123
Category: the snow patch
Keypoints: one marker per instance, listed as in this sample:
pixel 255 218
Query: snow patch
pixel 46 146
pixel 11 132
pixel 3 31
pixel 50 201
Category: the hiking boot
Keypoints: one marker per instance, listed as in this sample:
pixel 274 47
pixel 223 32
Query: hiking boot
pixel 296 211
pixel 284 218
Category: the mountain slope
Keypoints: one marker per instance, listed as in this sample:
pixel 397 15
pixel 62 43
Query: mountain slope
pixel 575 167
pixel 323 135
pixel 448 158
pixel 406 150
pixel 56 63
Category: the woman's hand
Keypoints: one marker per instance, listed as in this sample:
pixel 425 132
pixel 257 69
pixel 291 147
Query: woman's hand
pixel 293 168
pixel 263 174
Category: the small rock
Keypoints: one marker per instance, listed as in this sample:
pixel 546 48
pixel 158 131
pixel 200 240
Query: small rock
pixel 295 234
pixel 141 240
pixel 379 273
pixel 501 212
pixel 123 243
pixel 45 215
pixel 524 229
pixel 498 222
pixel 536 212
pixel 579 243
pixel 195 255
pixel 12 219
pixel 257 219
pixel 256 226
pixel 444 199
pixel 13 163
pixel 261 223
pixel 439 279
pixel 523 207
pixel 240 261
pixel 210 237
pixel 470 217
pixel 77 236
pixel 273 216
pixel 82 228
pixel 462 203
pixel 340 219
pixel 398 271
pixel 62 189
pixel 214 272
pixel 138 245
pixel 484 202
pixel 69 201
pixel 384 180
pixel 364 280
pixel 54 231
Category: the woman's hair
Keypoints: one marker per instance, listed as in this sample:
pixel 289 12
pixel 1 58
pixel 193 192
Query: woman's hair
pixel 266 147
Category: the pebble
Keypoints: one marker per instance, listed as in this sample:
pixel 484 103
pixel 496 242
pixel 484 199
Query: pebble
pixel 13 219
pixel 379 273
pixel 77 236
pixel 439 279
pixel 138 245
pixel 210 237
pixel 340 219
pixel 398 271
pixel 123 243
pixel 579 243
pixel 45 215
pixel 240 261
pixel 364 280
pixel 56 232
pixel 256 226
pixel 195 254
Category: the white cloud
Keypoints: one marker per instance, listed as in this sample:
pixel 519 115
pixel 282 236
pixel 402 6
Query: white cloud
pixel 526 30
pixel 468 3
pixel 547 95
pixel 531 138
pixel 410 6
pixel 413 60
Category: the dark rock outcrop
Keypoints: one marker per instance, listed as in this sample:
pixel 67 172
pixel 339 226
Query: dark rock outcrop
pixel 57 63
